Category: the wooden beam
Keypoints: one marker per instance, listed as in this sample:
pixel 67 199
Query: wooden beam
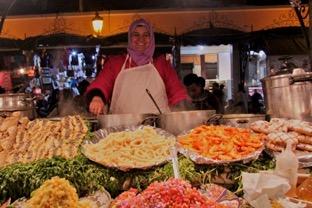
pixel 164 21
pixel 310 33
pixel 80 5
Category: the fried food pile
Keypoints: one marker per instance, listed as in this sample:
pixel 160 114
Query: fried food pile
pixel 280 130
pixel 25 141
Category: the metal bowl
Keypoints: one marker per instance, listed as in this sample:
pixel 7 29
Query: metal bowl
pixel 13 102
pixel 240 120
pixel 119 120
pixel 177 122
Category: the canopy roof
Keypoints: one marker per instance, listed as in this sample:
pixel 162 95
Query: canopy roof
pixel 64 39
pixel 6 43
pixel 22 7
pixel 278 41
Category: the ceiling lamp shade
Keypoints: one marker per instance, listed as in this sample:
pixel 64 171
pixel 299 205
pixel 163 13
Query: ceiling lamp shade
pixel 97 23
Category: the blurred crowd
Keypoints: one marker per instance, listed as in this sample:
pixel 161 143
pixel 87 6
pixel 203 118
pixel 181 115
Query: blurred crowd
pixel 203 98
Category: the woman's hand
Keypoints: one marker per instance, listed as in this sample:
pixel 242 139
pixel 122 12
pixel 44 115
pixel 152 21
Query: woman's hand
pixel 97 106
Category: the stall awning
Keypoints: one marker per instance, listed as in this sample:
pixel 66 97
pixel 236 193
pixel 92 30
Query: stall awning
pixel 9 44
pixel 277 41
pixel 64 39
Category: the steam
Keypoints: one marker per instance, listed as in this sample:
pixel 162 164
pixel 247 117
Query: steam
pixel 184 105
pixel 69 105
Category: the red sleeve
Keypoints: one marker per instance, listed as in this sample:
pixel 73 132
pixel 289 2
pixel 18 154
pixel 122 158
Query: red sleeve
pixel 175 90
pixel 105 81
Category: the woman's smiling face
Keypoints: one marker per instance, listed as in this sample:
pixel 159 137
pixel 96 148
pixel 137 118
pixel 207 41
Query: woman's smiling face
pixel 140 38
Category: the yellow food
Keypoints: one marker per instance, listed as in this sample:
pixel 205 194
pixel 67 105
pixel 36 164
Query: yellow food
pixel 221 142
pixel 139 148
pixel 55 193
pixel 276 204
pixel 86 204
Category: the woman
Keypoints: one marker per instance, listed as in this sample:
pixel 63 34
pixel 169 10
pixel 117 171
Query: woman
pixel 125 78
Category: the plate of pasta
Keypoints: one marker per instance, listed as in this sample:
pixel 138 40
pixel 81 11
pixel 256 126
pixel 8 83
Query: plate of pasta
pixel 220 144
pixel 134 147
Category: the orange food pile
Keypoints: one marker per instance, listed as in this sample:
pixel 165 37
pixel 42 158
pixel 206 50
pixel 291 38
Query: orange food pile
pixel 221 142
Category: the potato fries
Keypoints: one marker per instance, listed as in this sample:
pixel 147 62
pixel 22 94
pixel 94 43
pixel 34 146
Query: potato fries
pixel 221 142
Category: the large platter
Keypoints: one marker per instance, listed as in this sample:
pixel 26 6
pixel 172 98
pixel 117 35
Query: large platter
pixel 97 199
pixel 200 159
pixel 223 196
pixel 304 158
pixel 103 133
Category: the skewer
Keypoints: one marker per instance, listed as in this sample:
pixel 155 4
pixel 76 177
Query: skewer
pixel 150 95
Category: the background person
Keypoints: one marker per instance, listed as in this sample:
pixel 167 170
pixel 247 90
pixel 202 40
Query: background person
pixel 217 91
pixel 201 99
pixel 240 103
pixel 256 104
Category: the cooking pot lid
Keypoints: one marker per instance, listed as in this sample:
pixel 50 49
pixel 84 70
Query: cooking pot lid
pixel 239 116
pixel 305 74
pixel 190 112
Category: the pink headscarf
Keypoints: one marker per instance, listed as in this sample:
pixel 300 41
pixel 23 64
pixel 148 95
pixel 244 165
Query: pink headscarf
pixel 141 58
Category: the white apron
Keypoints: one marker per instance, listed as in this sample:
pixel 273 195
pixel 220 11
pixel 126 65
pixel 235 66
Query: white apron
pixel 129 93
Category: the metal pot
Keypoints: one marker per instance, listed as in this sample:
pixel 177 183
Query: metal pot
pixel 240 120
pixel 177 122
pixel 117 120
pixel 92 121
pixel 289 96
pixel 17 102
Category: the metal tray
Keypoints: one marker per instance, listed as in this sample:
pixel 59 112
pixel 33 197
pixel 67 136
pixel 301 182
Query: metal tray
pixel 200 159
pixel 99 198
pixel 223 196
pixel 103 133
pixel 304 158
